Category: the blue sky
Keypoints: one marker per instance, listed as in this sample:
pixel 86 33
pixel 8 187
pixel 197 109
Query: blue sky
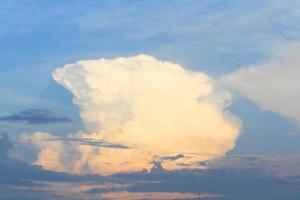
pixel 212 36
pixel 216 37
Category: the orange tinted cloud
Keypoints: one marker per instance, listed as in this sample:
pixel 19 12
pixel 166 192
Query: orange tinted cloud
pixel 157 109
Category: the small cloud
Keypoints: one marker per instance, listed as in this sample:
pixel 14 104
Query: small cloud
pixel 204 163
pixel 172 158
pixel 157 168
pixel 35 116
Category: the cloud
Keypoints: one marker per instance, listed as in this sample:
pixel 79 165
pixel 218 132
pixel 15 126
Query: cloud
pixel 16 172
pixel 156 108
pixel 154 195
pixel 91 142
pixel 273 85
pixel 271 164
pixel 5 146
pixel 33 182
pixel 35 116
pixel 178 156
pixel 18 178
pixel 231 184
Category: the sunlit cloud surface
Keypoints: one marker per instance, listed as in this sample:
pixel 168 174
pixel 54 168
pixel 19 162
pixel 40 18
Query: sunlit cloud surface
pixel 157 109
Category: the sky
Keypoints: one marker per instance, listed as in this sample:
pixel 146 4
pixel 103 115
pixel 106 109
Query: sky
pixel 178 99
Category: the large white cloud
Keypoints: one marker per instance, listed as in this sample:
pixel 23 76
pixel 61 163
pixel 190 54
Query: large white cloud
pixel 274 85
pixel 146 110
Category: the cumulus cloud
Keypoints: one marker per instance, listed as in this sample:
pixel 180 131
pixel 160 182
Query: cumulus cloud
pixel 158 109
pixel 273 85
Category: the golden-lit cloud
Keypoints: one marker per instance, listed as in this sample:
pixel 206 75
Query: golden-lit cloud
pixel 157 110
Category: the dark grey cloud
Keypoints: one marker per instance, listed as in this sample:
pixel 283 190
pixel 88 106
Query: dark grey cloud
pixel 8 192
pixel 91 142
pixel 234 184
pixel 98 190
pixel 35 116
pixel 178 156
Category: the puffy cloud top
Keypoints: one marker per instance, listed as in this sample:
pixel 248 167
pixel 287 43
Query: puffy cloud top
pixel 157 109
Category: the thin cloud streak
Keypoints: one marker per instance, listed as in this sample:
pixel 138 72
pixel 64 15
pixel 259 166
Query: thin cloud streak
pixel 90 142
pixel 35 117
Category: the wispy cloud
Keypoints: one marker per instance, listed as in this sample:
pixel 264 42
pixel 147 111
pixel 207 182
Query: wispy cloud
pixel 91 142
pixel 172 157
pixel 35 116
pixel 274 85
